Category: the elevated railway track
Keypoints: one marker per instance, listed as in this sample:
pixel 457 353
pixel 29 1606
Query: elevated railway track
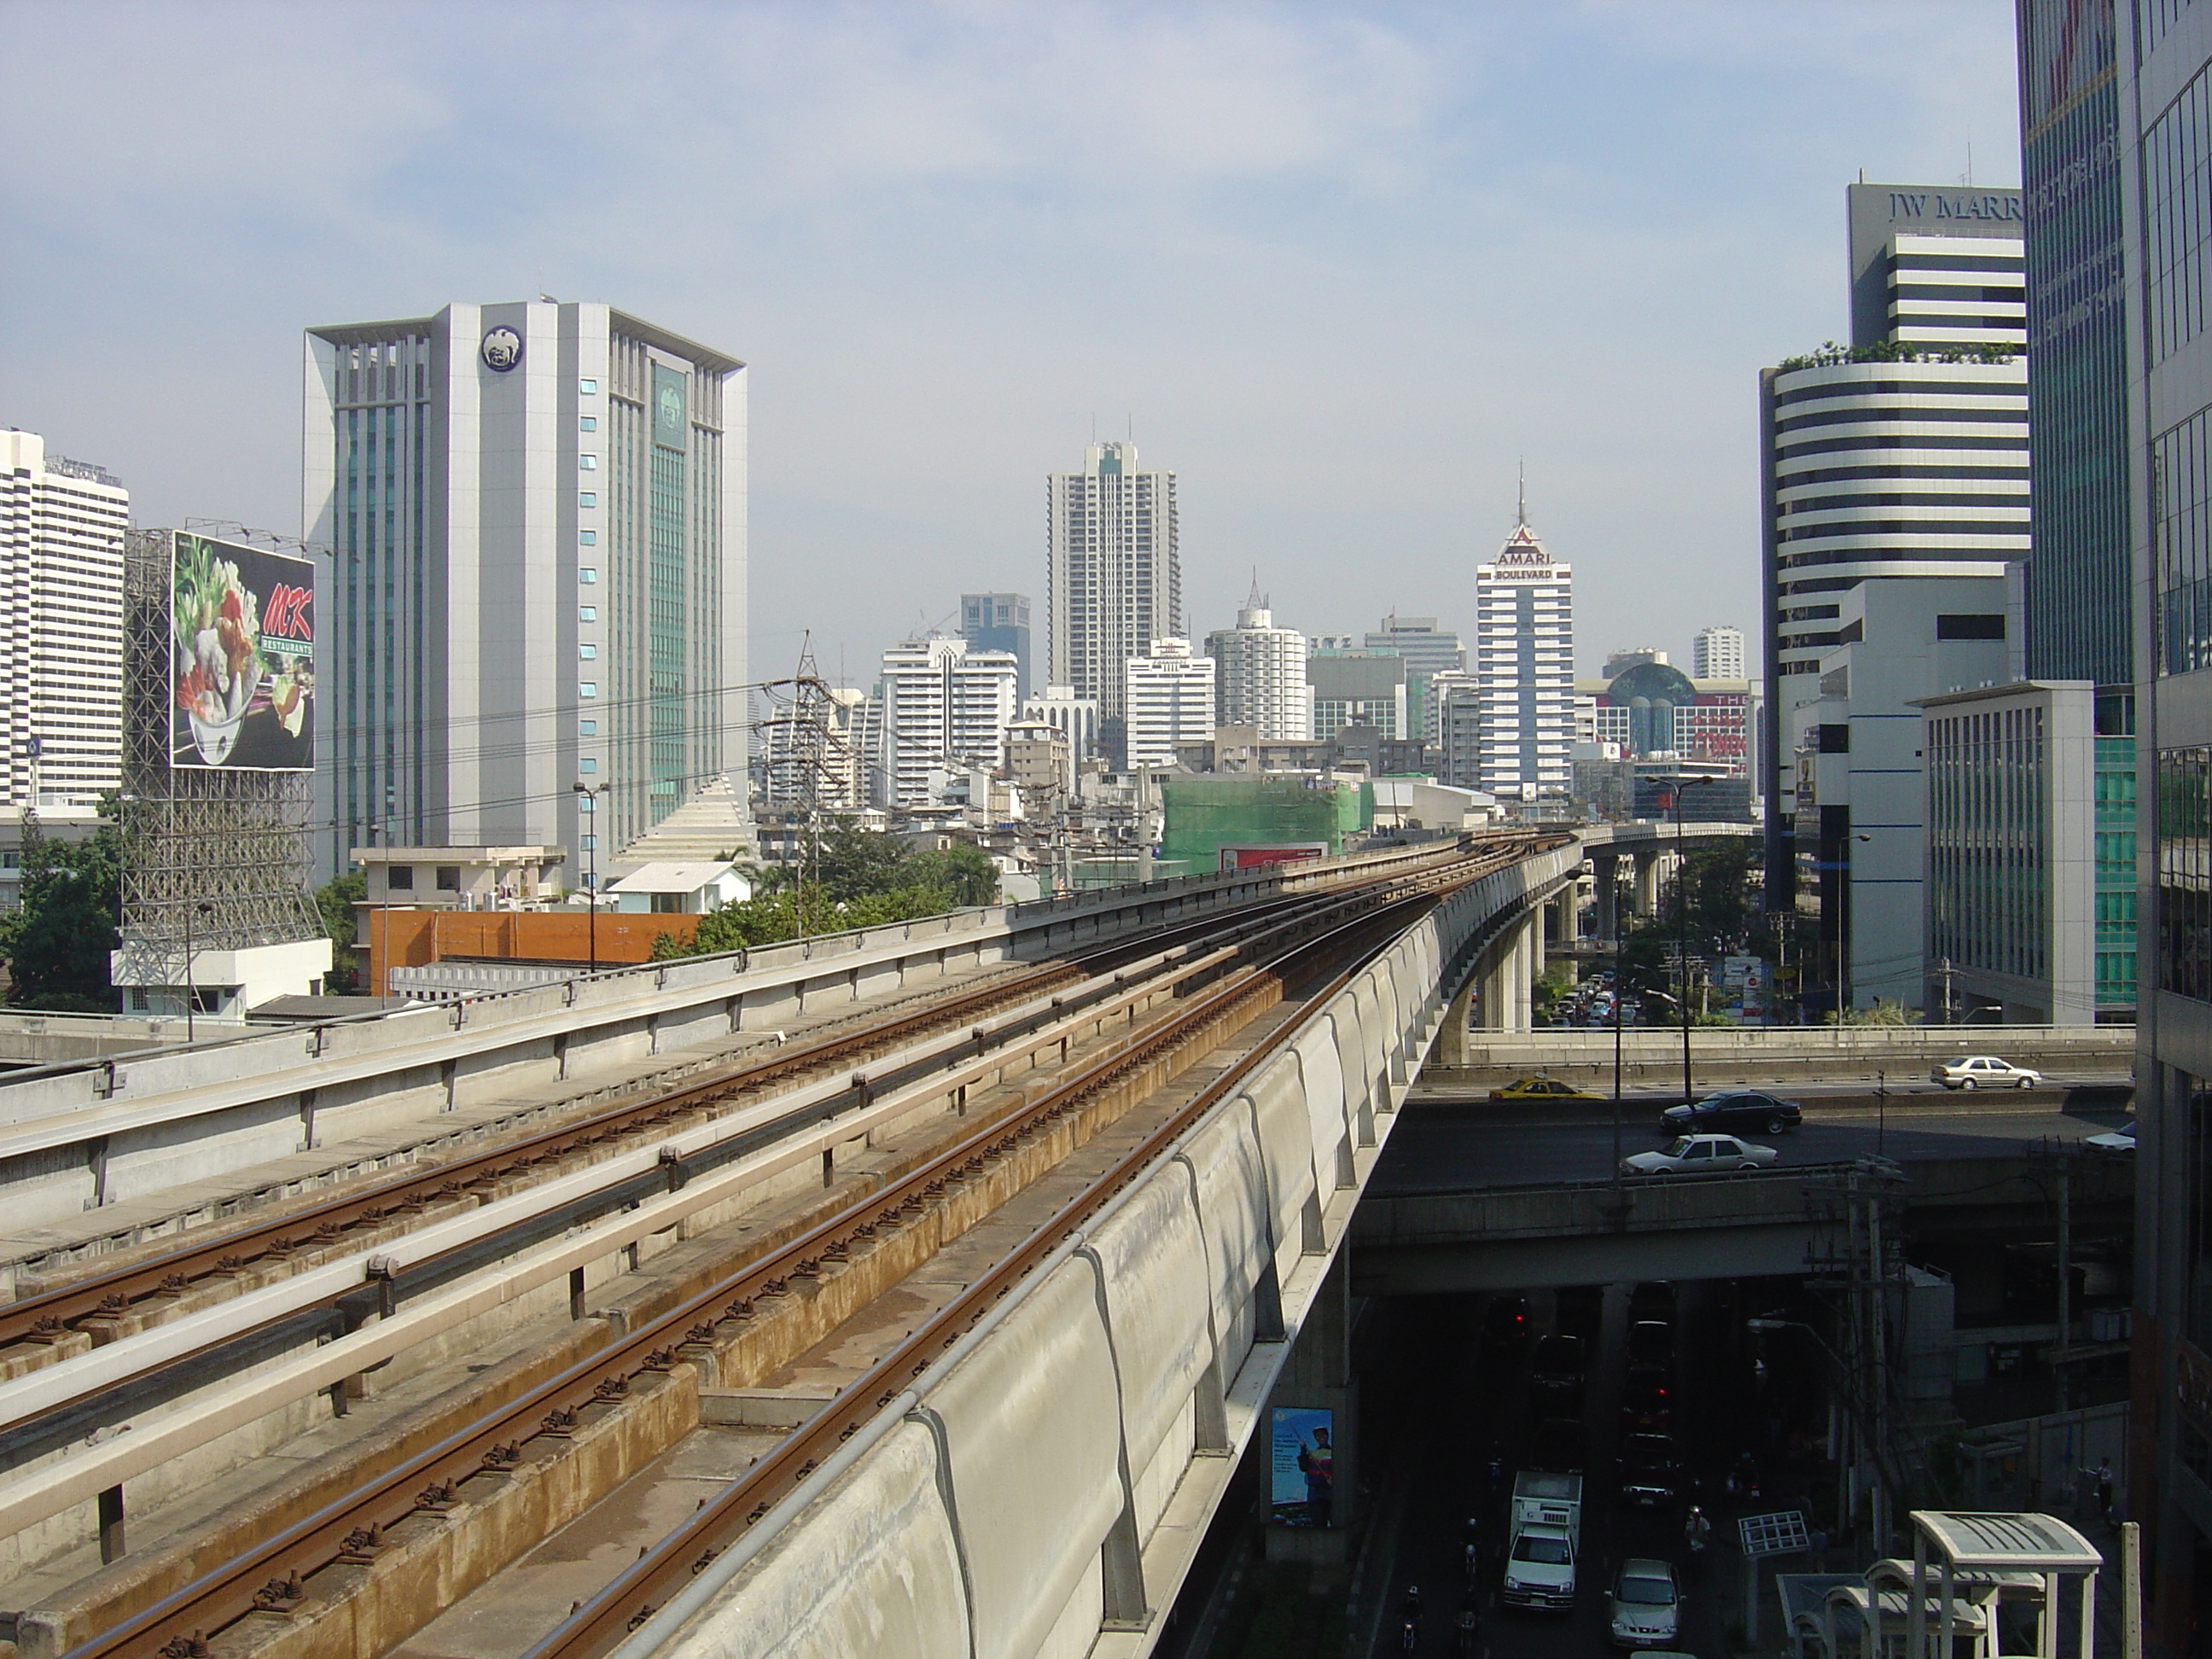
pixel 945 1110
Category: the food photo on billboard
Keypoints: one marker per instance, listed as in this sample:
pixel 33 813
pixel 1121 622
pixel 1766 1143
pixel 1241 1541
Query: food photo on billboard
pixel 242 657
pixel 1303 1467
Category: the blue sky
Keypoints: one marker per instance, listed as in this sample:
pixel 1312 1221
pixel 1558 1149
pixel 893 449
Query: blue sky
pixel 1342 266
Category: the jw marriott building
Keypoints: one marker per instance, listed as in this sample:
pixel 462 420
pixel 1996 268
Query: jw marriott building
pixel 536 512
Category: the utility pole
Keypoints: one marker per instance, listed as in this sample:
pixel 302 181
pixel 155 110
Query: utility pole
pixel 2062 1355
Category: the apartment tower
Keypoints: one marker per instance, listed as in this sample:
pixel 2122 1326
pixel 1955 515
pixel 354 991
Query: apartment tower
pixel 62 526
pixel 1260 675
pixel 1113 582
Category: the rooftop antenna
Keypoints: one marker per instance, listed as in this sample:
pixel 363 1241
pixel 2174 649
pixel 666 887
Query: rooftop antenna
pixel 1522 508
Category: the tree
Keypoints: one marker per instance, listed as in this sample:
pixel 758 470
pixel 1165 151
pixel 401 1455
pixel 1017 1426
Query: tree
pixel 58 939
pixel 335 900
pixel 864 878
pixel 963 871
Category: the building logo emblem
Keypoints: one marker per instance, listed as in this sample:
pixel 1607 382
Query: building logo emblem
pixel 502 348
pixel 672 409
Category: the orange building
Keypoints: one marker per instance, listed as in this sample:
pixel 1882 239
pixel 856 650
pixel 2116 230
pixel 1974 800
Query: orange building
pixel 415 938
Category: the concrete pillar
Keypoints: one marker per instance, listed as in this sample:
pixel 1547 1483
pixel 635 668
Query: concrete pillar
pixel 1317 1377
pixel 1531 952
pixel 1606 868
pixel 1451 1037
pixel 1645 884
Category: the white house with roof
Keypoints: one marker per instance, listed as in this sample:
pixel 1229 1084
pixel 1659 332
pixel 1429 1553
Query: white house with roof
pixel 678 889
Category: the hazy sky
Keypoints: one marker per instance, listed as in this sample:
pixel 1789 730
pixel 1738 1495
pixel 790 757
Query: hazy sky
pixel 1341 265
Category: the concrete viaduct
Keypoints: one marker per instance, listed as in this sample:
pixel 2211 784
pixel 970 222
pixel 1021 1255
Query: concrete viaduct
pixel 1043 1491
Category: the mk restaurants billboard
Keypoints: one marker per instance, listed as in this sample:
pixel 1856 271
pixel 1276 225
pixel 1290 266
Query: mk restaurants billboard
pixel 241 658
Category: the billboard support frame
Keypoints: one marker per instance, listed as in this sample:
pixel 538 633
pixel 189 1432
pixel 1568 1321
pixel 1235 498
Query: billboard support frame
pixel 233 839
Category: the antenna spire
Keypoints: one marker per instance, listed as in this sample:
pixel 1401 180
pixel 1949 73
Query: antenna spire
pixel 1521 510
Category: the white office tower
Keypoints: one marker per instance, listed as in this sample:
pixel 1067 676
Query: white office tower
pixel 1884 460
pixel 538 515
pixel 1260 675
pixel 62 525
pixel 1717 653
pixel 1115 583
pixel 1428 651
pixel 1169 695
pixel 946 709
pixel 1524 663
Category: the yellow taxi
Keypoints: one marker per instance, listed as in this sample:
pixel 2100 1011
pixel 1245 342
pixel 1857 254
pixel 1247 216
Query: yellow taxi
pixel 1543 1088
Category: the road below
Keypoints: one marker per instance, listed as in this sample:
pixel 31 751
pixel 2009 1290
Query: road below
pixel 1438 1148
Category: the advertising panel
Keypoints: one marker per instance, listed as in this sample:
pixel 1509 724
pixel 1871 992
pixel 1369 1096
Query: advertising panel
pixel 1255 856
pixel 1302 1476
pixel 241 658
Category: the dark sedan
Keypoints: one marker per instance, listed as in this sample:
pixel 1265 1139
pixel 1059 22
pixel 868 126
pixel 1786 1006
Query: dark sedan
pixel 1737 1111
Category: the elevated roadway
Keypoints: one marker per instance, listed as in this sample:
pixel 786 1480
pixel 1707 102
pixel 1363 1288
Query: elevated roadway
pixel 1474 1198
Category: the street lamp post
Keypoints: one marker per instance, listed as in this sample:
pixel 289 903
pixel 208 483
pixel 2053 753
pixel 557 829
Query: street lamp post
pixel 591 793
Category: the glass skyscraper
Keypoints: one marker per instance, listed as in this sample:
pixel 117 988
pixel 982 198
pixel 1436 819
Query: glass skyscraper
pixel 2076 620
pixel 2163 105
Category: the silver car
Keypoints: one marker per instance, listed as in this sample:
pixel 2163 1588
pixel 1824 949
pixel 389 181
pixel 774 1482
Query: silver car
pixel 1699 1154
pixel 1985 1072
pixel 1647 1607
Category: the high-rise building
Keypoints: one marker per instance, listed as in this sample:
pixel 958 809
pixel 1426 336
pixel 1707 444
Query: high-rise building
pixel 1717 653
pixel 2075 617
pixel 946 708
pixel 1260 675
pixel 1524 662
pixel 1167 694
pixel 62 526
pixel 1904 454
pixel 1428 650
pixel 1358 688
pixel 538 512
pixel 999 622
pixel 2163 55
pixel 1114 581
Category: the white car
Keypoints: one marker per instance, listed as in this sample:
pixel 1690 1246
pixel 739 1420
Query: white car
pixel 1694 1154
pixel 1985 1072
pixel 1647 1609
pixel 2116 1140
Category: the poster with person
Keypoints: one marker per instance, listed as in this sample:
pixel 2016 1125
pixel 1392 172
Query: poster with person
pixel 1303 1478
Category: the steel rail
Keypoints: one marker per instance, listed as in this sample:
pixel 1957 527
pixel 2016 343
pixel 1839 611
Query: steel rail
pixel 45 1316
pixel 269 1575
pixel 626 1603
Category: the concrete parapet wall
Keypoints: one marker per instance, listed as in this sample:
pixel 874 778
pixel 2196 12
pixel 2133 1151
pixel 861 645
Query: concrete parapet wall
pixel 1017 1504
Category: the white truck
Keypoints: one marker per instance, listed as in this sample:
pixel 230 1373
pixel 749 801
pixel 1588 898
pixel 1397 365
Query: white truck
pixel 1545 1537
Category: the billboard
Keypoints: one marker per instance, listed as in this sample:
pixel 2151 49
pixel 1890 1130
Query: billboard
pixel 1258 856
pixel 241 658
pixel 1302 1467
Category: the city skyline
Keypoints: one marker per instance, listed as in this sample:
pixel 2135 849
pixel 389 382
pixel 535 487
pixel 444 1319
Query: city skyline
pixel 1496 173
